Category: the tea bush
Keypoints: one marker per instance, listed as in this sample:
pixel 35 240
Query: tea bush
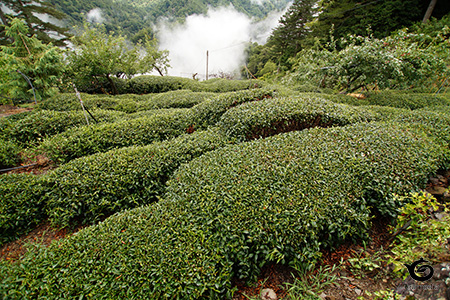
pixel 209 112
pixel 395 99
pixel 21 205
pixel 44 123
pixel 230 211
pixel 272 116
pixel 157 84
pixel 88 140
pixel 174 99
pixel 92 187
pixel 9 153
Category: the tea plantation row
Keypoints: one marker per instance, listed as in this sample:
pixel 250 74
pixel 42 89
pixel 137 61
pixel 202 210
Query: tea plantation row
pixel 232 210
pixel 226 213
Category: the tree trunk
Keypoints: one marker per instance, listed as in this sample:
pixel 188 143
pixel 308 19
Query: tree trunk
pixel 429 11
pixel 113 85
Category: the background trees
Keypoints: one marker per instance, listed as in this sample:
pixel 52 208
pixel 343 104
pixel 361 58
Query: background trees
pixel 40 17
pixel 41 63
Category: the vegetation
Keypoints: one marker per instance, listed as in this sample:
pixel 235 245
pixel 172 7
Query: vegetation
pixel 187 186
pixel 27 58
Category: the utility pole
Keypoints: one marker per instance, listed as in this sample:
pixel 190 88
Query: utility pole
pixel 207 58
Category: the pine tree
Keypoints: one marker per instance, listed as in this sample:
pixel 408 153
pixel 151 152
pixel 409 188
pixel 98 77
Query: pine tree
pixel 41 63
pixel 35 13
pixel 286 39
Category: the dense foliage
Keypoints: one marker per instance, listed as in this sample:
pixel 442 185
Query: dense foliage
pixel 27 58
pixel 191 243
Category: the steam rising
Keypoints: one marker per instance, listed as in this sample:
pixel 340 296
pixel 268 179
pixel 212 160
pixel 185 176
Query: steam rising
pixel 223 32
pixel 95 16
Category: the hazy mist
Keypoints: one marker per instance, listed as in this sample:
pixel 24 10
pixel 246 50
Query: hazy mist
pixel 223 31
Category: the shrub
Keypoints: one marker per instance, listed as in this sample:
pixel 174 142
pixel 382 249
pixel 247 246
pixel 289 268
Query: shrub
pixel 272 116
pixel 209 112
pixel 21 205
pixel 230 211
pixel 86 140
pixel 41 124
pixel 174 99
pixel 9 153
pixel 92 187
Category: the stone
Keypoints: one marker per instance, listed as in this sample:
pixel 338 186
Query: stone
pixel 268 294
pixel 358 292
pixel 437 190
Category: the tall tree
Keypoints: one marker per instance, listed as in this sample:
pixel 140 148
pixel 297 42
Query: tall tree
pixel 37 15
pixel 286 39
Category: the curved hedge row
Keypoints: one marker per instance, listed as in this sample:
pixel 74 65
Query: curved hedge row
pixel 272 116
pixel 128 103
pixel 41 124
pixel 92 187
pixel 395 99
pixel 21 205
pixel 87 140
pixel 230 211
pixel 9 153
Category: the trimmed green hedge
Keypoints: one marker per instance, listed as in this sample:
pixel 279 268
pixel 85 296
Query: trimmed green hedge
pixel 394 99
pixel 21 205
pixel 272 116
pixel 87 140
pixel 230 211
pixel 92 187
pixel 9 153
pixel 156 84
pixel 41 124
pixel 128 103
pixel 209 112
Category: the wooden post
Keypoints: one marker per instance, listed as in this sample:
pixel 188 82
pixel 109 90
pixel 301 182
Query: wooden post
pixel 207 58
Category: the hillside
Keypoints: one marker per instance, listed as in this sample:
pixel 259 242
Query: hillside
pixel 129 17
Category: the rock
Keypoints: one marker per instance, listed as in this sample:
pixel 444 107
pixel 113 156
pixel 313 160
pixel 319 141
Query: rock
pixel 358 292
pixel 323 296
pixel 437 190
pixel 268 294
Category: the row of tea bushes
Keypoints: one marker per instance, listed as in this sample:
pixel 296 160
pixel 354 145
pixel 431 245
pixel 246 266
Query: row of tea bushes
pixel 128 103
pixel 9 153
pixel 262 119
pixel 394 99
pixel 90 188
pixel 88 140
pixel 21 205
pixel 157 84
pixel 231 211
pixel 433 123
pixel 44 123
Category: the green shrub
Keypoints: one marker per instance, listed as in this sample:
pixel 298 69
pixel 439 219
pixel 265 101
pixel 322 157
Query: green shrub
pixel 272 116
pixel 157 84
pixel 21 205
pixel 230 211
pixel 174 99
pixel 209 112
pixel 9 153
pixel 86 140
pixel 92 187
pixel 44 123
pixel 395 99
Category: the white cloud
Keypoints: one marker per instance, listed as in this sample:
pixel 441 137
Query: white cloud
pixel 224 32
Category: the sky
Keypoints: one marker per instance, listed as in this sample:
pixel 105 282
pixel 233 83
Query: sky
pixel 223 32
